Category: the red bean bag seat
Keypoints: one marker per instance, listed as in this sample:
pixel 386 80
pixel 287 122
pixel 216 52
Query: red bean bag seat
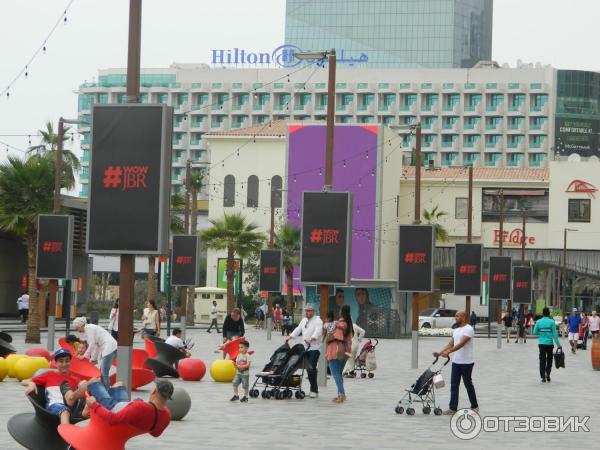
pixel 150 348
pixel 191 369
pixel 98 435
pixel 38 351
pixel 141 377
pixel 232 348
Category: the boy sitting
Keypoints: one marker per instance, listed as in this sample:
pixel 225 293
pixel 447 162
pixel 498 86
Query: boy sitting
pixel 175 341
pixel 62 392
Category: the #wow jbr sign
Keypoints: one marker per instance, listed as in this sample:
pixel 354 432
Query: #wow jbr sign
pixel 415 266
pixel 184 261
pixel 500 277
pixel 468 260
pixel 54 247
pixel 130 179
pixel 270 271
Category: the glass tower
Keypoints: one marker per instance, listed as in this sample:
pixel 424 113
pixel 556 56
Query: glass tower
pixel 394 33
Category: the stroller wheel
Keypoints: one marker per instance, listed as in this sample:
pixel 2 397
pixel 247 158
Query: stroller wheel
pixel 363 375
pixel 437 411
pixel 254 393
pixel 426 410
pixel 302 394
pixel 410 411
pixel 279 395
pixel 399 409
pixel 267 395
pixel 371 375
pixel 263 394
pixel 297 394
pixel 288 393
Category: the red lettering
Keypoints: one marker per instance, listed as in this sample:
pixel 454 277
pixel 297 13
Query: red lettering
pixel 272 270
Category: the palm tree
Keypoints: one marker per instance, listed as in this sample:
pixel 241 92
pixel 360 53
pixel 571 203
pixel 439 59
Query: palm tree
pixel 288 240
pixel 26 191
pixel 234 234
pixel 47 150
pixel 432 218
pixel 176 228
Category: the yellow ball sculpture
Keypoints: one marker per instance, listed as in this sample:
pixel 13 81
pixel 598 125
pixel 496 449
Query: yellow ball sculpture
pixel 222 370
pixel 11 360
pixel 3 369
pixel 26 367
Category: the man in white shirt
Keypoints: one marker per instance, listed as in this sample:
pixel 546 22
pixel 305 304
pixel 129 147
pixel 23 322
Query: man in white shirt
pixel 23 305
pixel 461 344
pixel 213 317
pixel 311 330
pixel 175 341
pixel 102 347
pixel 594 324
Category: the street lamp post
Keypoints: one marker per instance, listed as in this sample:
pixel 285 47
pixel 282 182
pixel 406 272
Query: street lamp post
pixel 269 318
pixel 564 268
pixel 328 175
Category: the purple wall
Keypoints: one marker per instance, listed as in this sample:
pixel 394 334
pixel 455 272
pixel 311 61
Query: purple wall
pixel 354 170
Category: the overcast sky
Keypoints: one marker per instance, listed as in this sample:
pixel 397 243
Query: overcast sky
pixel 557 32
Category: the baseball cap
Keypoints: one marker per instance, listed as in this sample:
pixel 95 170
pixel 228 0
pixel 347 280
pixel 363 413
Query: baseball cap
pixel 574 309
pixel 60 353
pixel 164 389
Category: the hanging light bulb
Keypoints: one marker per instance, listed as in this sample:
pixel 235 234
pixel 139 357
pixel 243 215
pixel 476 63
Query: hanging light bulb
pixel 320 172
pixel 29 139
pixel 372 173
pixel 26 72
pixel 7 95
pixel 44 48
pixel 295 178
pixel 65 18
pixel 359 183
pixel 367 155
pixel 344 164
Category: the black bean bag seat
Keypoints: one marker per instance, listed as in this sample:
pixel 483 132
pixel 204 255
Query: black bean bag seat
pixel 38 430
pixel 155 338
pixel 165 362
pixel 6 348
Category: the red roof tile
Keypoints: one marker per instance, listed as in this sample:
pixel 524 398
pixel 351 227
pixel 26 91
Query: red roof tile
pixel 481 173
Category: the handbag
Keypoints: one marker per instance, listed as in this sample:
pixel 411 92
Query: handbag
pixel 559 358
pixel 340 353
pixel 438 381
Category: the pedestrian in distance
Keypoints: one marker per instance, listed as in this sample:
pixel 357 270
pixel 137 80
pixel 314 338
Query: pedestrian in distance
pixel 242 375
pixel 113 320
pixel 151 320
pixel 339 345
pixel 23 306
pixel 461 344
pixel 521 333
pixel 311 330
pixel 473 319
pixel 585 325
pixel 507 320
pixel 102 347
pixel 213 317
pixel 574 320
pixel 545 328
pixel 594 324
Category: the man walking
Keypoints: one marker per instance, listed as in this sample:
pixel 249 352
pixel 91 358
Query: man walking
pixel 311 330
pixel 461 344
pixel 545 328
pixel 23 305
pixel 213 317
pixel 574 321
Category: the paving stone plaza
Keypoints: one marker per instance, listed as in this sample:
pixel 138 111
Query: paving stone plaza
pixel 506 381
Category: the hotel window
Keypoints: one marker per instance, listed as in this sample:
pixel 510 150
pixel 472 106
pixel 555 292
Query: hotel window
pixel 276 184
pixel 229 191
pixel 580 210
pixel 252 198
pixel 461 208
pixel 534 201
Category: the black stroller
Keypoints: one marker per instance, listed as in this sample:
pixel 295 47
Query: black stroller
pixel 279 379
pixel 422 391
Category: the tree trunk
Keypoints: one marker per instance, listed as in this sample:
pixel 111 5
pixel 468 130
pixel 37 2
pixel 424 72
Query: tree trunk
pixel 191 298
pixel 151 288
pixel 33 324
pixel 230 272
pixel 289 304
pixel 42 305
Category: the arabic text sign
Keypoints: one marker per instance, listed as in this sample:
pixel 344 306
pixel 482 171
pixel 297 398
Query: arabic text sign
pixel 326 227
pixel 467 269
pixel 500 277
pixel 54 247
pixel 270 271
pixel 522 292
pixel 415 267
pixel 184 261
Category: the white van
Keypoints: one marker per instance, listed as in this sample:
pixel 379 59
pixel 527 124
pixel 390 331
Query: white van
pixel 203 302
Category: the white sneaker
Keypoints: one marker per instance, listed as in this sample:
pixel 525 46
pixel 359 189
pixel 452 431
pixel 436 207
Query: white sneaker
pixel 313 394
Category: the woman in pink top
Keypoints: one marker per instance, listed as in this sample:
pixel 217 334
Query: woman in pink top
pixel 338 349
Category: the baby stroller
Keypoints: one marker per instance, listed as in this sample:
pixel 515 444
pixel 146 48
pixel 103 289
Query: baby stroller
pixel 279 379
pixel 423 391
pixel 365 362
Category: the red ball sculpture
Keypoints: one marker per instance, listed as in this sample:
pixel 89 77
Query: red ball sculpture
pixel 38 351
pixel 191 369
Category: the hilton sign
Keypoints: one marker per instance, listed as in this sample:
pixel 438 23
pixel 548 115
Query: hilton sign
pixel 512 238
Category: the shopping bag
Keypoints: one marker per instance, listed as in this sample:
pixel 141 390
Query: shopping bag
pixel 559 358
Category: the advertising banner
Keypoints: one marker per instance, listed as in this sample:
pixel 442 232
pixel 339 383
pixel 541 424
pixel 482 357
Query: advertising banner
pixel 522 292
pixel 415 267
pixel 270 271
pixel 55 247
pixel 577 136
pixel 130 179
pixel 468 262
pixel 500 277
pixel 184 261
pixel 326 231
pixel 222 275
